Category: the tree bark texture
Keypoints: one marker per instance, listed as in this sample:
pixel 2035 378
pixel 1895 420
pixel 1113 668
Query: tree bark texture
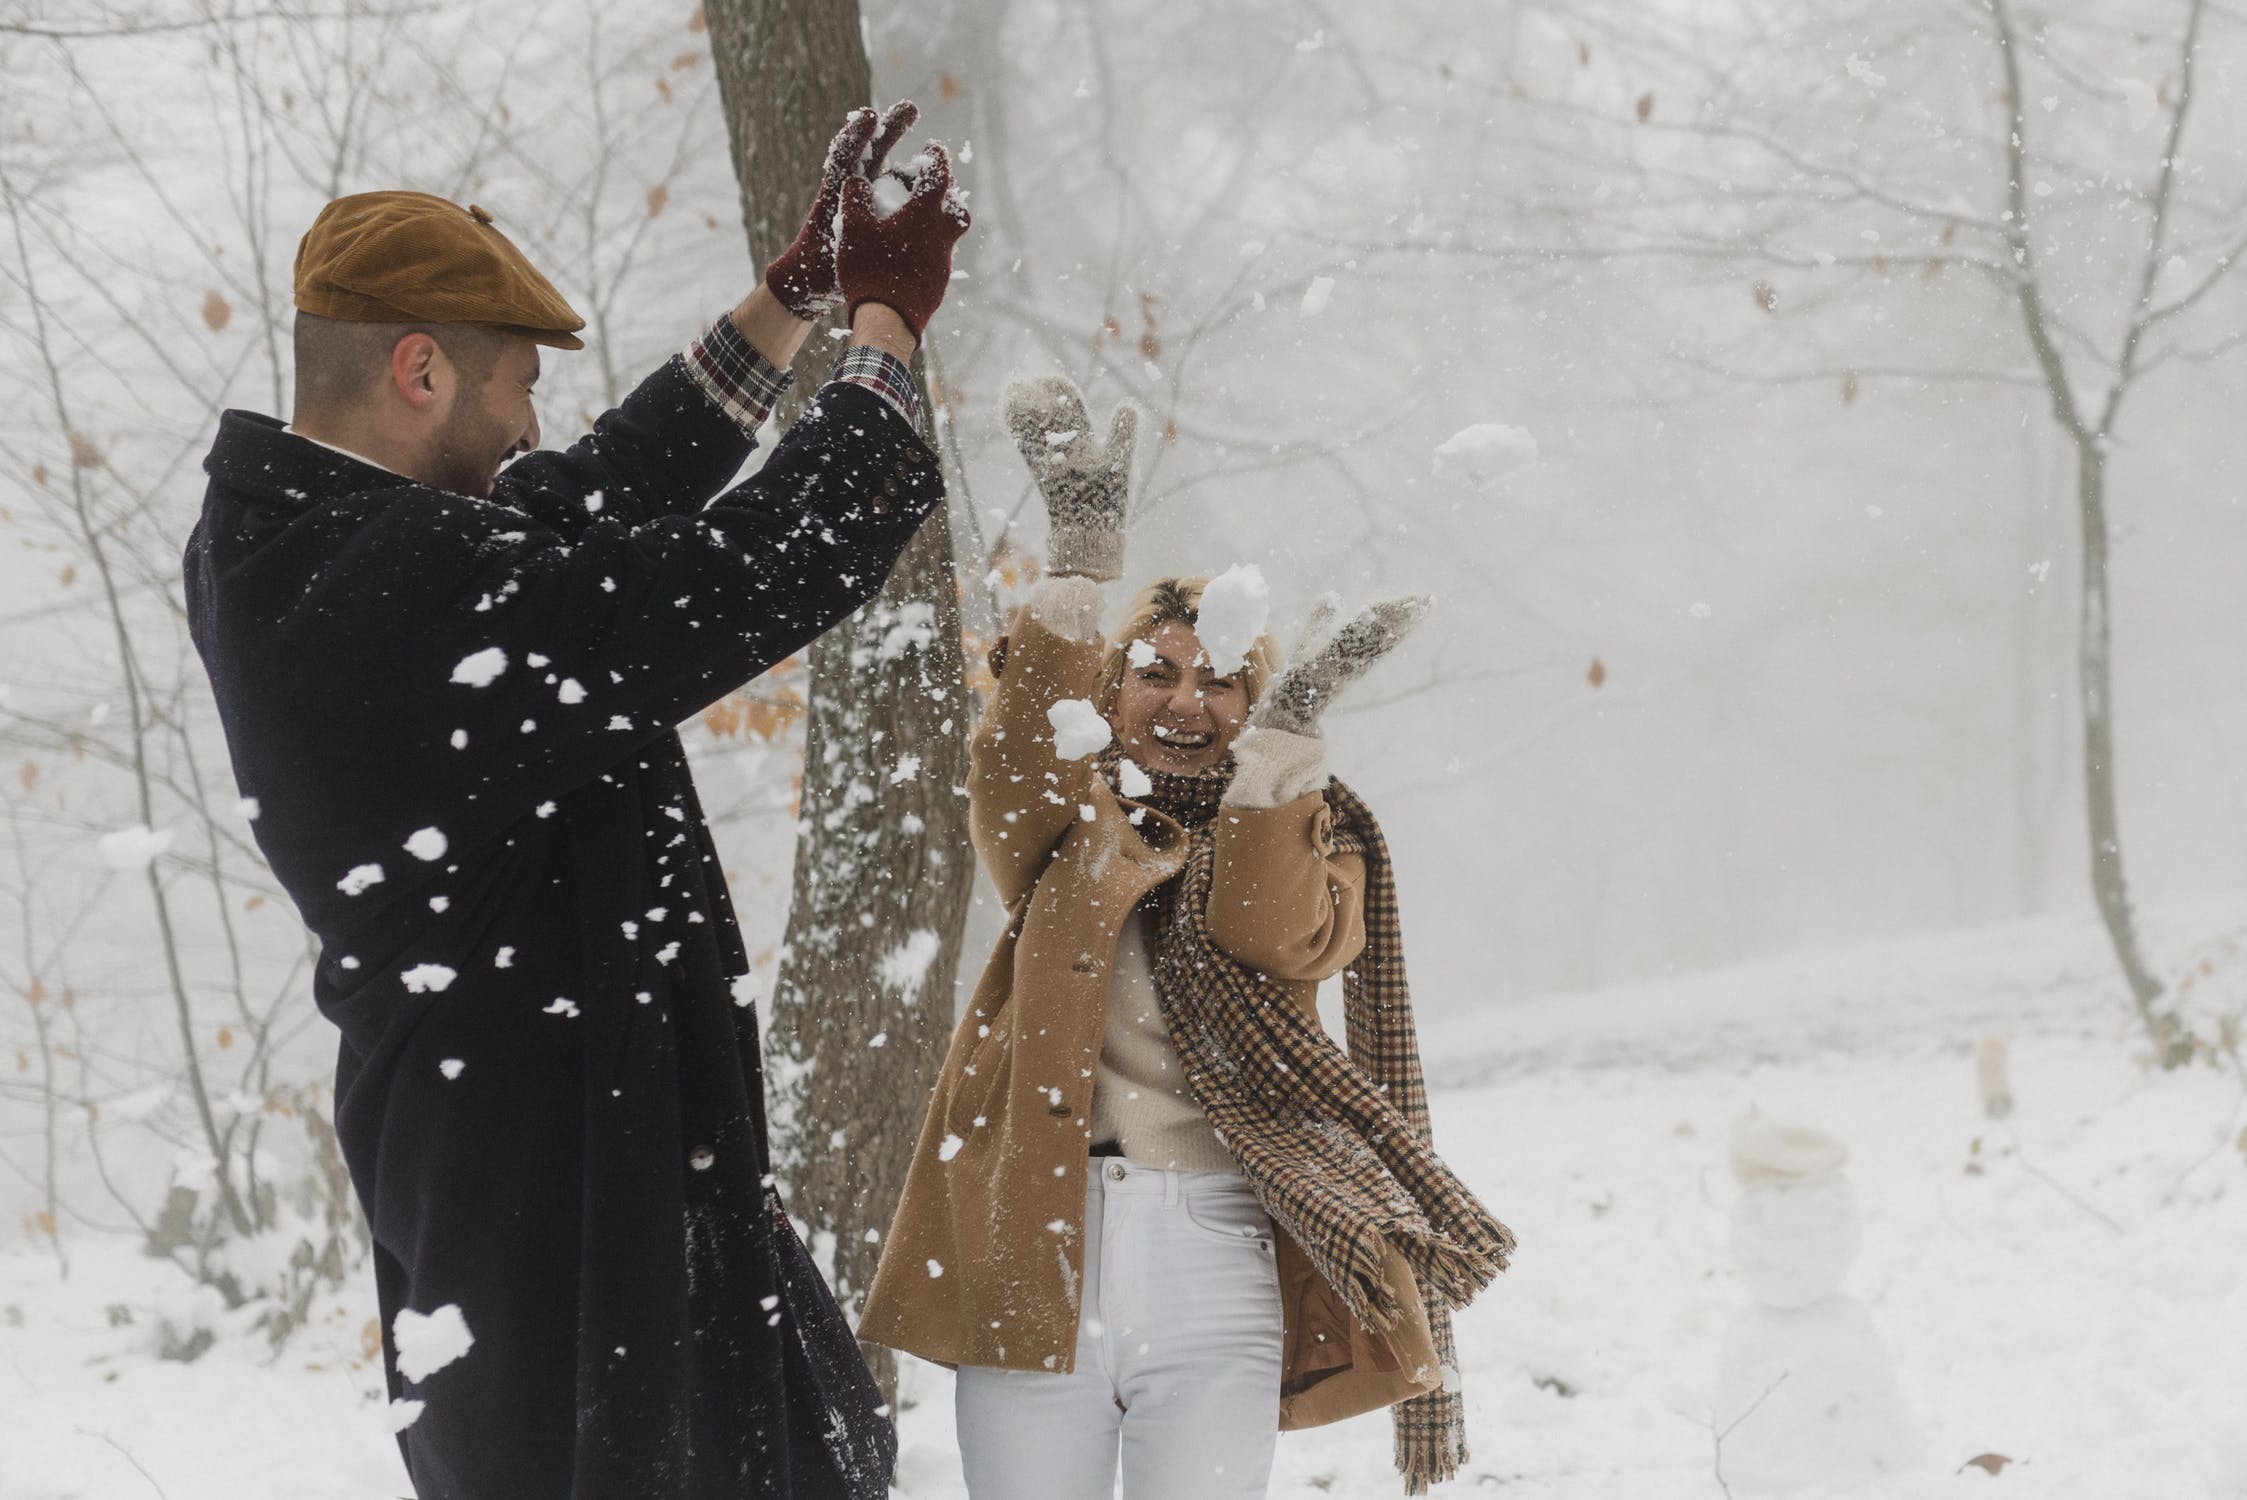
pixel 862 1010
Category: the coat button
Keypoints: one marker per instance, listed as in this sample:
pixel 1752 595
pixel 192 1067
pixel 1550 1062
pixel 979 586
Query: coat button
pixel 1116 1171
pixel 702 1158
pixel 1085 963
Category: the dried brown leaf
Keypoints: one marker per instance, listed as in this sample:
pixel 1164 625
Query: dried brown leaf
pixel 1767 296
pixel 698 23
pixel 1988 1463
pixel 657 197
pixel 947 87
pixel 1597 676
pixel 217 312
pixel 85 453
pixel 1645 106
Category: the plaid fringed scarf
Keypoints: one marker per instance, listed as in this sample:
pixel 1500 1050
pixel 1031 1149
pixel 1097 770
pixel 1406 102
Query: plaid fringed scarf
pixel 1336 1147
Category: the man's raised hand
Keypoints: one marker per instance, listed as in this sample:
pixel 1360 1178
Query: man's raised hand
pixel 803 276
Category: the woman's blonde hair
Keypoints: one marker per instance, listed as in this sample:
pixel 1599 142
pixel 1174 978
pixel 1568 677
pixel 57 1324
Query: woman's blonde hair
pixel 1157 604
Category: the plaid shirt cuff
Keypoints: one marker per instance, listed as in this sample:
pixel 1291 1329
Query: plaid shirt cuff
pixel 885 375
pixel 738 380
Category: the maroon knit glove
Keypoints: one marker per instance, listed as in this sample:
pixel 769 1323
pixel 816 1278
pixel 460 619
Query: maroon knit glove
pixel 904 261
pixel 803 277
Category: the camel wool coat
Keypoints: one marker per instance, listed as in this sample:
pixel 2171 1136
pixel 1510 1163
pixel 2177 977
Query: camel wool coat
pixel 985 1255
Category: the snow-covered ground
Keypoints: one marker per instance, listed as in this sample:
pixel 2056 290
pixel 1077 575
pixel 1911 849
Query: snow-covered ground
pixel 2067 1289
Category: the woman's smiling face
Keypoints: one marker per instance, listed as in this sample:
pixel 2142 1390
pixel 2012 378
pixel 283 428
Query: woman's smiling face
pixel 1173 714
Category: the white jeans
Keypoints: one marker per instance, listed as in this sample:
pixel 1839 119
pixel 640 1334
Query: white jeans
pixel 1178 1355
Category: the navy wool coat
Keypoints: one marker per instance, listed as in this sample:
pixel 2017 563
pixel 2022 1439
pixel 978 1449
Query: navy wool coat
pixel 455 717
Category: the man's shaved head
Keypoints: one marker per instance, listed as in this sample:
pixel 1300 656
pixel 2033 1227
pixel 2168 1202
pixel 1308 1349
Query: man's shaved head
pixel 339 365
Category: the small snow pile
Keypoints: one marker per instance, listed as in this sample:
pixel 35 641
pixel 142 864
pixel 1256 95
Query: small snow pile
pixel 358 878
pixel 428 979
pixel 1131 781
pixel 427 844
pixel 1862 71
pixel 134 848
pixel 481 668
pixel 1485 453
pixel 1317 295
pixel 427 1342
pixel 1078 729
pixel 1232 615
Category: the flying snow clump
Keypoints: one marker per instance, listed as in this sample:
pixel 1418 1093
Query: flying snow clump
pixel 427 844
pixel 1234 608
pixel 1485 453
pixel 427 1342
pixel 905 966
pixel 1131 781
pixel 359 878
pixel 134 848
pixel 1078 729
pixel 428 979
pixel 481 668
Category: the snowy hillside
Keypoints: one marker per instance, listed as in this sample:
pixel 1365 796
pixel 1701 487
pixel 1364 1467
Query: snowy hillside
pixel 2064 1289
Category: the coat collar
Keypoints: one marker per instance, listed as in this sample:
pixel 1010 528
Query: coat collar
pixel 257 455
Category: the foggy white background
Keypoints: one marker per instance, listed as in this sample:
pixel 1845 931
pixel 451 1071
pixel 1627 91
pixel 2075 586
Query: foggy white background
pixel 1813 522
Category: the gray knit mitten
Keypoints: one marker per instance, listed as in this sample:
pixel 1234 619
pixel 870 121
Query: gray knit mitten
pixel 1087 485
pixel 1295 702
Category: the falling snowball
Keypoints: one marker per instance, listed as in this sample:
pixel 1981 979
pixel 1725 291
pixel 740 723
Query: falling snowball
pixel 1234 608
pixel 451 1067
pixel 1485 453
pixel 134 848
pixel 1317 295
pixel 428 1343
pixel 571 690
pixel 359 878
pixel 400 1415
pixel 427 843
pixel 1140 653
pixel 950 1148
pixel 1078 729
pixel 745 990
pixel 428 979
pixel 481 668
pixel 935 1269
pixel 562 1007
pixel 1131 781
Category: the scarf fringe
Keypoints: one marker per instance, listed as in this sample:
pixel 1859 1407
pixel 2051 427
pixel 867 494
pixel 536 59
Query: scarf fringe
pixel 1429 1456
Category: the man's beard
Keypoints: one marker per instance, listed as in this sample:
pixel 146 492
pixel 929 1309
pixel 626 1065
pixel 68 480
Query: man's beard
pixel 468 452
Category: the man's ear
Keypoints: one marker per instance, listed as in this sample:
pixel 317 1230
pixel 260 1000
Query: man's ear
pixel 420 375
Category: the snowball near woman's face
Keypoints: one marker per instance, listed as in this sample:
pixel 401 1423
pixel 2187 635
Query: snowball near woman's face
pixel 1172 713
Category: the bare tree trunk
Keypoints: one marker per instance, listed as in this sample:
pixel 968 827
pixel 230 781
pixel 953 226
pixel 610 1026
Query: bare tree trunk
pixel 2109 885
pixel 863 1007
